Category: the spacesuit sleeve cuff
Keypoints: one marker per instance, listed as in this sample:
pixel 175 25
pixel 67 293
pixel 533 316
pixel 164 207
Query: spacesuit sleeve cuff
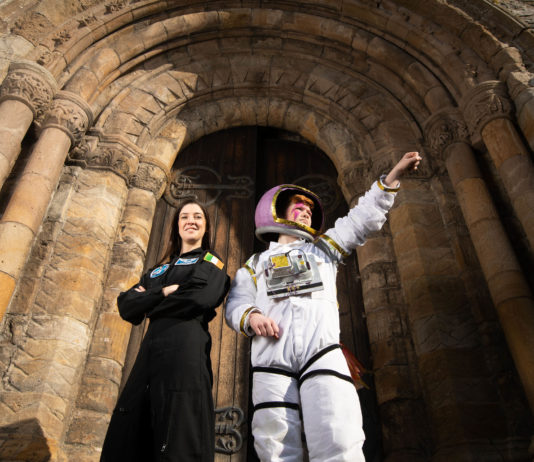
pixel 385 188
pixel 244 326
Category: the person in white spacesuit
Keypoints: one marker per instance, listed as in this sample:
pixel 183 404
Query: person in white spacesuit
pixel 285 298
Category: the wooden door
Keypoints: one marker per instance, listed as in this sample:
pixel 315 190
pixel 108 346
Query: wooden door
pixel 229 171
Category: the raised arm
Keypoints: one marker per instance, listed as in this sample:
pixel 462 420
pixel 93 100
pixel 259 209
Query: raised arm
pixel 369 215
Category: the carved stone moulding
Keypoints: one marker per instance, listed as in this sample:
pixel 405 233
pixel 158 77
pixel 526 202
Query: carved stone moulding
pixel 30 84
pixel 70 114
pixel 354 179
pixel 484 103
pixel 444 128
pixel 150 177
pixel 108 152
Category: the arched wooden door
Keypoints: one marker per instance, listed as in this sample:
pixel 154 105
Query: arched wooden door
pixel 228 171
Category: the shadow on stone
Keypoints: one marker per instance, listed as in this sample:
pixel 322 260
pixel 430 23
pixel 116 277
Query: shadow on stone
pixel 24 441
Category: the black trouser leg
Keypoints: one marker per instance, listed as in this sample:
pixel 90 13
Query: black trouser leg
pixel 180 395
pixel 129 435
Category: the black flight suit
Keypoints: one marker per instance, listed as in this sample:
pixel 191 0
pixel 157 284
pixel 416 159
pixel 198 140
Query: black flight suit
pixel 165 412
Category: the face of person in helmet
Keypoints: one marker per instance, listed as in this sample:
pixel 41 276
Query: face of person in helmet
pixel 300 210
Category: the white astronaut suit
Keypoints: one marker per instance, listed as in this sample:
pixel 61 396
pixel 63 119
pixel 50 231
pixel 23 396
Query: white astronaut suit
pixel 301 380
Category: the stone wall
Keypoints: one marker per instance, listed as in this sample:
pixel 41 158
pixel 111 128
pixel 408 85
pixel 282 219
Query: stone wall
pixel 98 99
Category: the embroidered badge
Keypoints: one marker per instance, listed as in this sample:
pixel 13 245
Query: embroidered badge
pixel 186 261
pixel 213 259
pixel 159 271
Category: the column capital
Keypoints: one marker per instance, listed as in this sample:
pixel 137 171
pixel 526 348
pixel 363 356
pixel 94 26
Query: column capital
pixel 354 179
pixel 31 84
pixel 150 177
pixel 69 113
pixel 444 128
pixel 484 103
pixel 107 152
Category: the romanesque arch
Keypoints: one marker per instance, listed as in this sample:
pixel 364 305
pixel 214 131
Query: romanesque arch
pixel 117 89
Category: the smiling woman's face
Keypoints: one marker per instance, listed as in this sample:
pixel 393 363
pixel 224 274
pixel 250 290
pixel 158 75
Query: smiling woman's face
pixel 192 224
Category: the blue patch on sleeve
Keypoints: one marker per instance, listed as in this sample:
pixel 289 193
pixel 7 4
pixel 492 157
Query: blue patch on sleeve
pixel 159 271
pixel 186 261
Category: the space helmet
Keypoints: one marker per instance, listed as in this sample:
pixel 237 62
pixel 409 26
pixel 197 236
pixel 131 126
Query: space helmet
pixel 270 211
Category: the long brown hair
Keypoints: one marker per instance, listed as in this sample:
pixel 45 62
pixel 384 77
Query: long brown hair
pixel 174 246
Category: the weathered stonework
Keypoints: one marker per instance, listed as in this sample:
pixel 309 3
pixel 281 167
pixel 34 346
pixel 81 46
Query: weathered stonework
pixel 448 308
pixel 31 84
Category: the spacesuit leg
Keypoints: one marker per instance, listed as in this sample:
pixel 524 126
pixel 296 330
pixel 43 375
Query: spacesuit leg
pixel 276 424
pixel 331 411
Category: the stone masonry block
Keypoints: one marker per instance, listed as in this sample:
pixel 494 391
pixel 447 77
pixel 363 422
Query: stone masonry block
pixel 135 234
pixel 409 444
pixel 451 363
pixel 162 151
pixel 111 337
pixel 277 112
pixel 526 117
pixel 61 328
pixel 384 324
pixel 426 262
pixel 125 49
pixel 15 238
pixel 45 408
pixel 97 394
pixel 83 83
pixel 268 18
pixel 53 301
pixel 388 352
pixel 461 421
pixel 7 285
pixel 104 368
pixel 88 428
pixel 25 211
pixel 373 280
pixel 378 249
pixel 393 383
pixel 104 63
pixel 508 286
pixel 153 34
pixel 378 298
pixel 479 206
pixel 444 330
pixel 502 140
pixel 494 260
pixel 434 294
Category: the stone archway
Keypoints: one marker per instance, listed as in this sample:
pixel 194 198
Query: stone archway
pixel 364 81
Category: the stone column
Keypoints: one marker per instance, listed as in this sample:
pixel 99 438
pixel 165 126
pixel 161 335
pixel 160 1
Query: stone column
pixel 398 392
pixel 25 94
pixel 508 288
pixel 103 370
pixel 487 112
pixel 524 105
pixel 64 125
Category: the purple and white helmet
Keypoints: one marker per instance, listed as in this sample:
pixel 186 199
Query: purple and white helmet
pixel 270 211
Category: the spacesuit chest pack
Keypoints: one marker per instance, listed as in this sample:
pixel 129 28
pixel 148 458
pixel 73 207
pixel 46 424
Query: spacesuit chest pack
pixel 291 273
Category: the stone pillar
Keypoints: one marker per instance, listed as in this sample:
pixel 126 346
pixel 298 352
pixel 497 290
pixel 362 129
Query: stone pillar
pixel 25 94
pixel 398 391
pixel 64 125
pixel 103 370
pixel 524 105
pixel 508 288
pixel 65 310
pixel 487 112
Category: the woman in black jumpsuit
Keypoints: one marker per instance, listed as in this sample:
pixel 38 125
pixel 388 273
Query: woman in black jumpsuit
pixel 165 412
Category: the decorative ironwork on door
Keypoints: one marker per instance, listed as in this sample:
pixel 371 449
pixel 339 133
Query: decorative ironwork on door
pixel 228 439
pixel 189 181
